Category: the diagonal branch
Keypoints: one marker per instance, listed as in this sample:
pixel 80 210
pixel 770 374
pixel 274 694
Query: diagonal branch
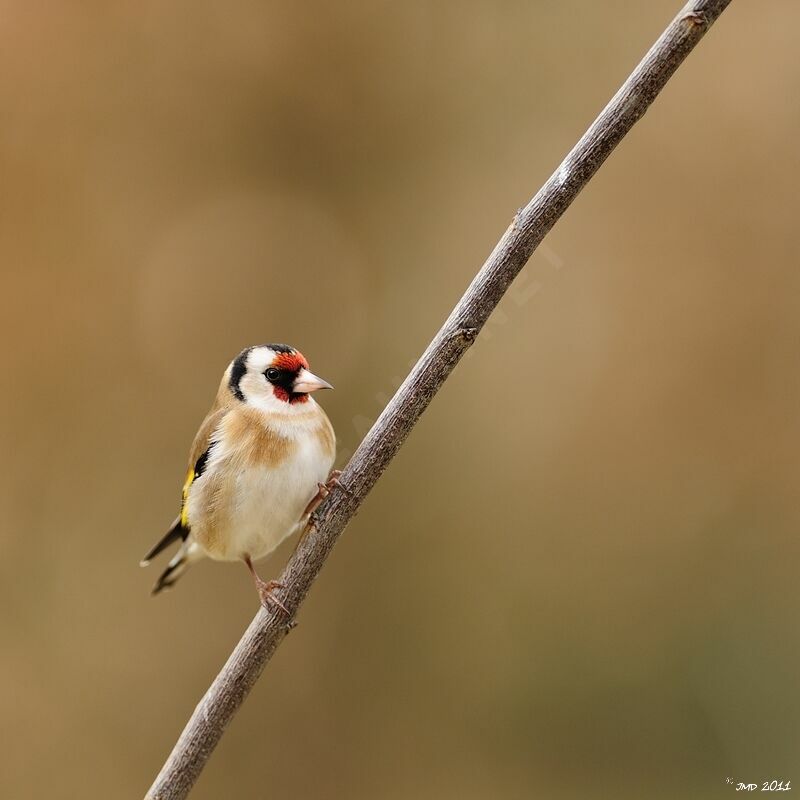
pixel 529 227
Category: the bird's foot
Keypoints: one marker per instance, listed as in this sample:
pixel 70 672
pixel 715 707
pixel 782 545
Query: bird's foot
pixel 265 591
pixel 309 518
pixel 333 480
pixel 323 490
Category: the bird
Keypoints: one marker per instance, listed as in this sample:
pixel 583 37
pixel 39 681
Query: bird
pixel 258 467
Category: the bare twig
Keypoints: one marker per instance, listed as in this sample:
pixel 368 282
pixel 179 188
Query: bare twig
pixel 527 230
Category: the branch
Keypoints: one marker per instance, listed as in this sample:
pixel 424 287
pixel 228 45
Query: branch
pixel 529 227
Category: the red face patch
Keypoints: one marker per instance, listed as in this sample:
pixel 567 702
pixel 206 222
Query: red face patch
pixel 289 397
pixel 291 362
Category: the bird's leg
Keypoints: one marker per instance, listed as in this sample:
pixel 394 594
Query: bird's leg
pixel 323 490
pixel 313 504
pixel 265 588
pixel 333 480
pixel 308 517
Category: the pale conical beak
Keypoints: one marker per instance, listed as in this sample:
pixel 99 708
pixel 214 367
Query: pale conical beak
pixel 308 382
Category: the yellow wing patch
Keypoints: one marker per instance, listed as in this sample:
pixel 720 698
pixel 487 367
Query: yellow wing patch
pixel 190 476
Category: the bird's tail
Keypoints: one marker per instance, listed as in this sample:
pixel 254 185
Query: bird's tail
pixel 175 532
pixel 180 562
pixel 187 553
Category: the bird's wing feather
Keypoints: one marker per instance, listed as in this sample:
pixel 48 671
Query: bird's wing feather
pixel 198 456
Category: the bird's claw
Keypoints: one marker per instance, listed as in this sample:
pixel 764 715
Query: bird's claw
pixel 323 490
pixel 265 593
pixel 333 480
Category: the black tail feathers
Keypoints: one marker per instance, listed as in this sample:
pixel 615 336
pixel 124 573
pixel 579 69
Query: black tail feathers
pixel 179 562
pixel 174 570
pixel 176 532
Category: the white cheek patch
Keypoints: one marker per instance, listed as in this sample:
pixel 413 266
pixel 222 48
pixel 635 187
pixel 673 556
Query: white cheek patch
pixel 259 392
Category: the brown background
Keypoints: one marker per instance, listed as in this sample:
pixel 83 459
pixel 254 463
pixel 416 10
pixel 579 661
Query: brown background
pixel 579 578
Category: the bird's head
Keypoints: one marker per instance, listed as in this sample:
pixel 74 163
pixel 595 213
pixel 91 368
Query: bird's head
pixel 272 377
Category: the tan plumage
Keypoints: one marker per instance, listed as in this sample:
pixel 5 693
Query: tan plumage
pixel 255 465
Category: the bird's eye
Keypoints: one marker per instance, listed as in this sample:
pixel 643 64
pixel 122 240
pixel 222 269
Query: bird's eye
pixel 272 374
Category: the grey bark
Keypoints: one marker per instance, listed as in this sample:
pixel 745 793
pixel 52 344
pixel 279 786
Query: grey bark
pixel 528 228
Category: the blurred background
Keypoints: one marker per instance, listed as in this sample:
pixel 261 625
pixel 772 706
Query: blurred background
pixel 579 583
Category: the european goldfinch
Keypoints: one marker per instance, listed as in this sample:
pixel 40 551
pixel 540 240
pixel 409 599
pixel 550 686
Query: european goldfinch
pixel 259 464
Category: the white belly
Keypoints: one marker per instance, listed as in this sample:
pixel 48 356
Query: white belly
pixel 270 502
pixel 263 505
